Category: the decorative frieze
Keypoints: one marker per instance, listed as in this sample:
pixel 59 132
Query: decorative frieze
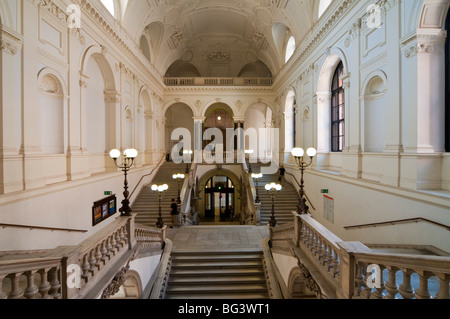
pixel 52 8
pixel 10 42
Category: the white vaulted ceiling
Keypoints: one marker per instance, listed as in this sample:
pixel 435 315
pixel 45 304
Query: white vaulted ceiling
pixel 218 37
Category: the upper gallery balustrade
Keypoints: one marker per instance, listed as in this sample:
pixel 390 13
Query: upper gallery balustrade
pixel 217 81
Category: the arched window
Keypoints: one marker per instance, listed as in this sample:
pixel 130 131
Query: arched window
pixel 109 4
pixel 290 48
pixel 447 85
pixel 337 111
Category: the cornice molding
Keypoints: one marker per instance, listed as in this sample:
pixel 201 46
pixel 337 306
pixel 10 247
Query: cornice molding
pixel 315 39
pixel 11 41
pixel 121 40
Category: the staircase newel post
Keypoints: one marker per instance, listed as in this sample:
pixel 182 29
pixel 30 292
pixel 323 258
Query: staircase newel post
pixel 130 231
pixel 347 268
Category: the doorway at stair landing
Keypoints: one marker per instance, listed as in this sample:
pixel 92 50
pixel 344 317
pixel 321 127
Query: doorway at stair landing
pixel 220 202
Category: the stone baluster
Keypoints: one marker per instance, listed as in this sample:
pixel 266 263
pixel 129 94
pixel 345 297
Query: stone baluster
pixel 391 285
pixel 98 256
pixel 326 255
pixel 16 292
pixel 118 240
pixel 422 292
pixel 366 291
pixel 31 290
pixel 302 233
pixel 335 264
pixel 405 288
pixel 444 280
pixel 92 261
pixel 85 267
pixel 45 286
pixel 109 248
pixel 359 281
pixel 379 285
pixel 2 293
pixel 125 235
pixel 329 259
pixel 312 242
pixel 113 242
pixel 55 289
pixel 104 251
pixel 319 249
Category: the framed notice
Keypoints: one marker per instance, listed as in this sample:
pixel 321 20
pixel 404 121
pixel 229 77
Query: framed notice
pixel 103 209
pixel 328 208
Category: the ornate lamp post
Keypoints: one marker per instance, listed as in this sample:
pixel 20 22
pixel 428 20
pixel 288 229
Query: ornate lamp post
pixel 257 176
pixel 128 157
pixel 298 154
pixel 272 189
pixel 160 189
pixel 178 178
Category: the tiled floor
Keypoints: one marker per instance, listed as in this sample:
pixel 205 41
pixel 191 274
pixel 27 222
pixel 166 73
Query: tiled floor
pixel 217 237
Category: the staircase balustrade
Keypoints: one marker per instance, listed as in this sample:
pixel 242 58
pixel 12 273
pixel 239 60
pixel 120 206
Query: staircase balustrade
pixel 217 81
pixel 149 236
pixel 251 210
pixel 71 272
pixel 187 206
pixel 351 270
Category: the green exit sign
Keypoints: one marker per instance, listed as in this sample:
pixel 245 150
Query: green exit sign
pixel 108 193
pixel 324 191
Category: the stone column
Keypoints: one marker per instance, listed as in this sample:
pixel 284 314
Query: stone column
pixel 11 166
pixel 32 166
pixel 198 139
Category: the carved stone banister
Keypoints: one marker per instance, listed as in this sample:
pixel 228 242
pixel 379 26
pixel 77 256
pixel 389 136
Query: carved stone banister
pixel 332 268
pixel 149 236
pixel 282 236
pixel 45 271
pixel 217 81
pixel 75 271
pixel 376 286
pixel 99 253
pixel 271 279
pixel 162 277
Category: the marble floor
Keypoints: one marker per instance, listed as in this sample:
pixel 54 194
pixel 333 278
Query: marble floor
pixel 217 237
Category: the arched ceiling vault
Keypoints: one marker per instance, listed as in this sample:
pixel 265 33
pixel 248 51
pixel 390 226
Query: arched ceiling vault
pixel 219 37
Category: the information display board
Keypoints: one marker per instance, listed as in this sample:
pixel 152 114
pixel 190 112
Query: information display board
pixel 103 209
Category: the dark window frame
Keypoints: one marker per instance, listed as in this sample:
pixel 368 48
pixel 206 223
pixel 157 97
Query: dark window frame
pixel 447 85
pixel 338 110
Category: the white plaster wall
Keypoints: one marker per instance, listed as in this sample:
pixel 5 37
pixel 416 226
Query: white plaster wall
pixel 95 109
pixel 60 206
pixel 145 267
pixel 285 264
pixel 357 203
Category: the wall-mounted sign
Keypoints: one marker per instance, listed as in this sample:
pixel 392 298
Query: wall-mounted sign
pixel 103 209
pixel 328 208
pixel 324 191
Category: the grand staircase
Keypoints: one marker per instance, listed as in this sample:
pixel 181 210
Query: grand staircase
pixel 286 200
pixel 146 205
pixel 236 274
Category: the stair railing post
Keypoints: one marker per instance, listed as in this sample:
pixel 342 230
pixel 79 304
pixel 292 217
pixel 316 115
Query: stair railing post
pixel 160 189
pixel 298 154
pixel 272 189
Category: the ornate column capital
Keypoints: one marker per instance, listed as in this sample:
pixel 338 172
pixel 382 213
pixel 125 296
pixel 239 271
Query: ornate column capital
pixel 427 39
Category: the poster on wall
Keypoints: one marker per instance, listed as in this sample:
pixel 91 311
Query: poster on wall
pixel 104 209
pixel 328 208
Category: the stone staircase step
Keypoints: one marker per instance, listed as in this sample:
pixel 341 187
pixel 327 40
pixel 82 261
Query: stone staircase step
pixel 225 274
